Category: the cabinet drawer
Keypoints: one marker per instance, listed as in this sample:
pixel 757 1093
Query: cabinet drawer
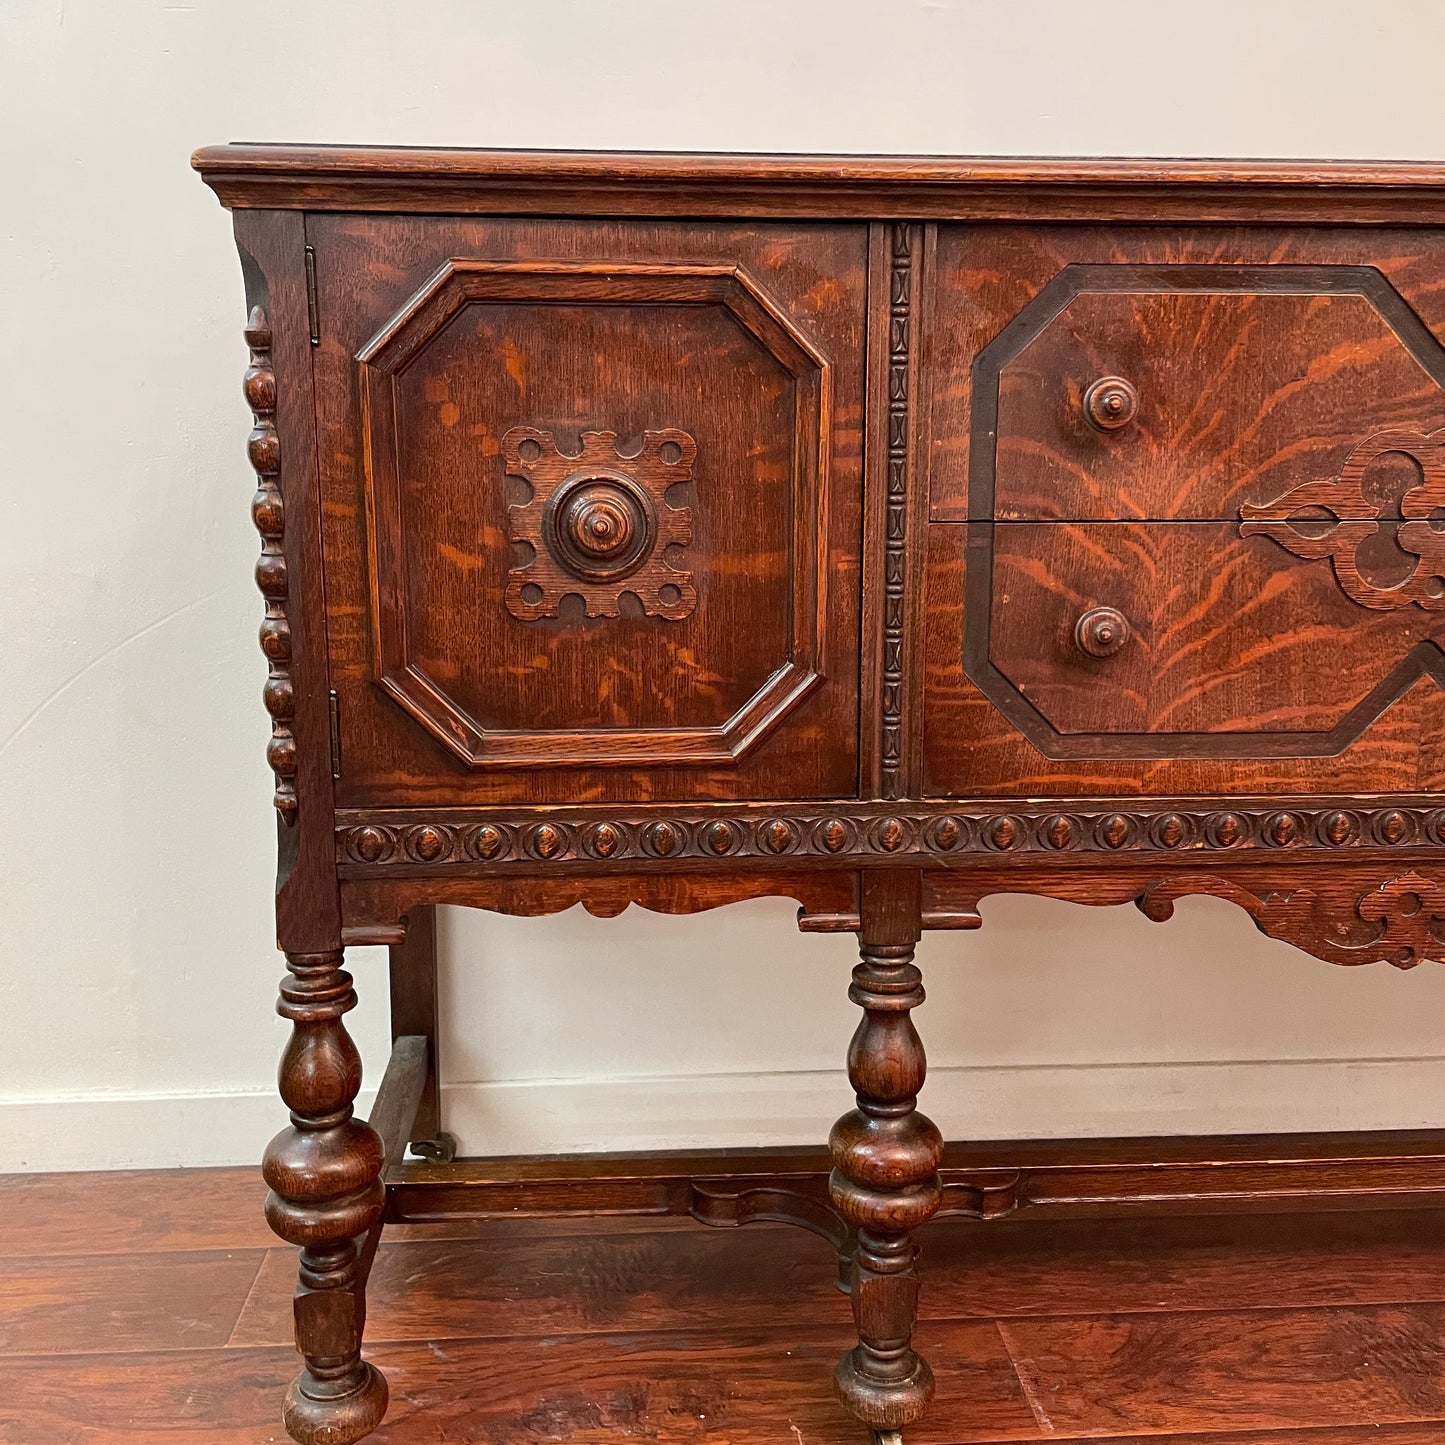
pixel 1175 657
pixel 1171 639
pixel 1177 375
pixel 591 502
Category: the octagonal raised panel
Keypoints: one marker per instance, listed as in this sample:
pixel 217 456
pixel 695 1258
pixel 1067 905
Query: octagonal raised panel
pixel 679 398
pixel 1141 437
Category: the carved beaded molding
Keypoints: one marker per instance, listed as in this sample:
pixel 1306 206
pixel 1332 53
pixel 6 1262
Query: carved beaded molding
pixel 263 447
pixel 882 833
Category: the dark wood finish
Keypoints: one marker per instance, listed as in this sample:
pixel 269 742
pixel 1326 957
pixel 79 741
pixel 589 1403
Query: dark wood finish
pixel 599 524
pixel 675 530
pixel 1346 517
pixel 1243 1173
pixel 885 1160
pixel 308 905
pixel 326 1196
pixel 393 1115
pixel 413 979
pixel 264 448
pixel 1295 358
pixel 1208 658
pixel 519 182
pixel 1100 1329
pixel 749 340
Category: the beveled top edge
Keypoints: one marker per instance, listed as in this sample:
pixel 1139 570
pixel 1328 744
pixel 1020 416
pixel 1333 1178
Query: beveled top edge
pixel 257 158
pixel 388 178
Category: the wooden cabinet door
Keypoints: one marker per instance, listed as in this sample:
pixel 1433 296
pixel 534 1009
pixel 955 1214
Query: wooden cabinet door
pixel 591 499
pixel 1188 511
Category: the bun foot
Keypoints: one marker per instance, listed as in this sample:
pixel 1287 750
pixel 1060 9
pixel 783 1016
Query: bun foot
pixel 885 1405
pixel 335 1412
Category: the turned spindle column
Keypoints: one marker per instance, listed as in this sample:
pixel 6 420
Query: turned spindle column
pixel 885 1156
pixel 325 1177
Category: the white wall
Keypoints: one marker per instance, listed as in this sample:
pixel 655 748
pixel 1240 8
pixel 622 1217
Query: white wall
pixel 136 972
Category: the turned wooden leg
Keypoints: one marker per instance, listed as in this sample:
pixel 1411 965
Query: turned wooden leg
pixel 885 1156
pixel 326 1193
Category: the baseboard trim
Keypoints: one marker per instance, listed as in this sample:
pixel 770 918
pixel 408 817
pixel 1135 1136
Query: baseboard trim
pixel 49 1134
pixel 706 1112
pixel 709 1113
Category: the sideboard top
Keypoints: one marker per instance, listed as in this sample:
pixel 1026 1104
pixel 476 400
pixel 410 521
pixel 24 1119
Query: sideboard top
pixel 383 178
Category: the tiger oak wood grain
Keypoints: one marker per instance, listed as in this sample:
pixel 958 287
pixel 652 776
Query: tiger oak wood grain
pixel 970 747
pixel 692 365
pixel 1242 391
pixel 1226 637
pixel 1071 528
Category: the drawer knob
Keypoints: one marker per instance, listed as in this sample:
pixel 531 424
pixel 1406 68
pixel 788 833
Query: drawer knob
pixel 1101 632
pixel 1111 403
pixel 602 527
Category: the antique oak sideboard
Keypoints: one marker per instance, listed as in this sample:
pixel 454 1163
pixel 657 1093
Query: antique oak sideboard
pixel 881 534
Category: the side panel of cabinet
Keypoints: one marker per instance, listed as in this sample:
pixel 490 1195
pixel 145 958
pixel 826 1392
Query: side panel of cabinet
pixel 592 507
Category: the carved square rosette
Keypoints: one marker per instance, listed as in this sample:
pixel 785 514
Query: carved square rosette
pixel 599 524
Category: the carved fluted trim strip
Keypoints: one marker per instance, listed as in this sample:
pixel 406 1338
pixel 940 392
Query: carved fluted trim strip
pixel 264 449
pixel 895 545
pixel 601 838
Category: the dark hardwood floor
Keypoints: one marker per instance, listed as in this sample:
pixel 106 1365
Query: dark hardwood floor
pixel 155 1308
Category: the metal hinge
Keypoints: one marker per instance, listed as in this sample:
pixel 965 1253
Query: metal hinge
pixel 335 735
pixel 311 310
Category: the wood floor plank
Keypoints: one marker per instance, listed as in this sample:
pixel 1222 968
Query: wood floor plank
pixel 455 1288
pixel 1275 1330
pixel 123 1302
pixel 683 1385
pixel 127 1211
pixel 164 1210
pixel 183 1397
pixel 440 1288
pixel 1329 1435
pixel 1265 1370
pixel 1021 1266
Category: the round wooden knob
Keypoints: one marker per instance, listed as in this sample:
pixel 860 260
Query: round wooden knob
pixel 1101 632
pixel 601 527
pixel 599 521
pixel 1111 403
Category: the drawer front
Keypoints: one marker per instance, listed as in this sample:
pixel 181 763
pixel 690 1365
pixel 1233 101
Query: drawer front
pixel 1188 501
pixel 1176 375
pixel 591 499
pixel 1169 639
